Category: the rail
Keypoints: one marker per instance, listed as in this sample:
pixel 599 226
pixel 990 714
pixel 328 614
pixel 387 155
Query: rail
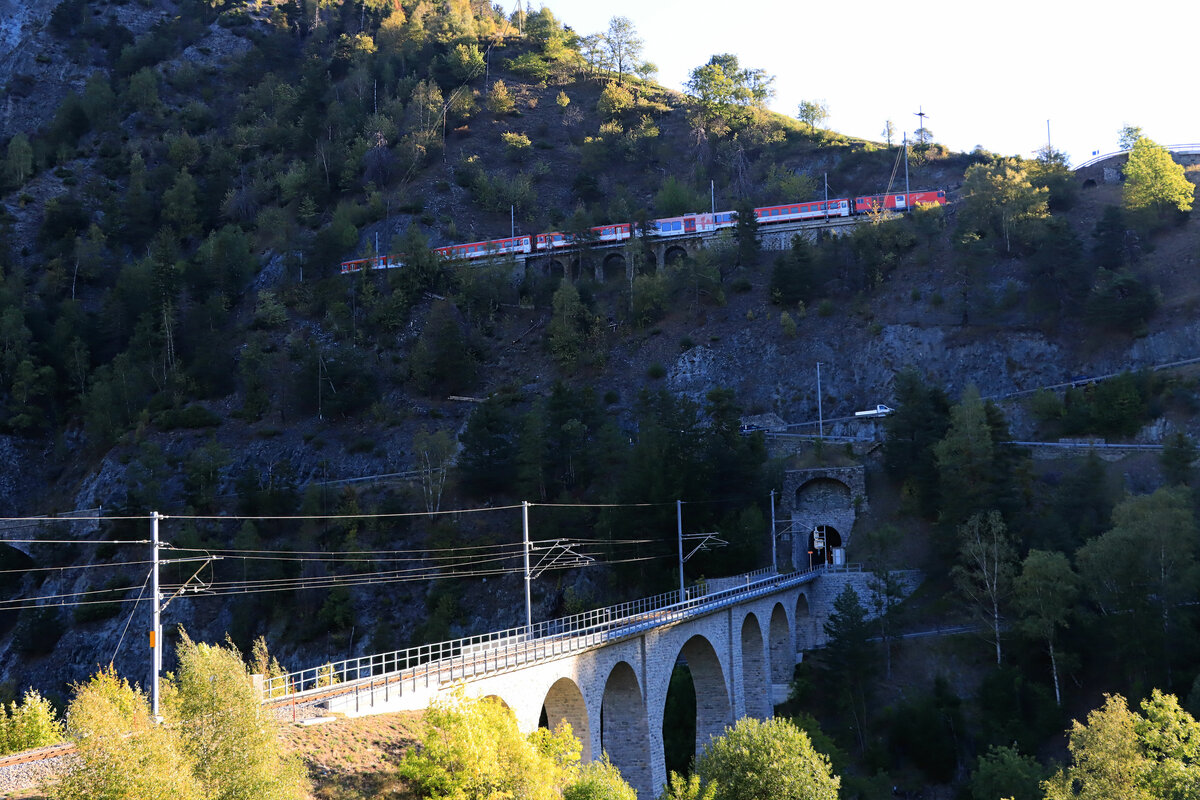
pixel 458 659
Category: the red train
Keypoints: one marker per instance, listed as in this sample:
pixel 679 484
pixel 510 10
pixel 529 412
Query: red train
pixel 684 225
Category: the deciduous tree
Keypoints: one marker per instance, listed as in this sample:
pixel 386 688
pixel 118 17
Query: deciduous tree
pixel 1108 760
pixel 999 197
pixel 1154 181
pixel 813 113
pixel 1044 595
pixel 987 562
pixel 772 758
pixel 473 750
pixel 623 46
pixel 123 754
pixel 233 745
pixel 19 164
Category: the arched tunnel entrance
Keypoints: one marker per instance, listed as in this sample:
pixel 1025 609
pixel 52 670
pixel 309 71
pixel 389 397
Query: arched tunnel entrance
pixel 822 541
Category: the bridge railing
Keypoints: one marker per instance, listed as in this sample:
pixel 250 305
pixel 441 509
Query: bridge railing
pixel 470 656
pixel 1182 149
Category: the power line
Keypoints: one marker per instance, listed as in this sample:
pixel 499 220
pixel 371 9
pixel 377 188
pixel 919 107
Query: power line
pixel 76 541
pixel 301 517
pixel 5 603
pixel 74 566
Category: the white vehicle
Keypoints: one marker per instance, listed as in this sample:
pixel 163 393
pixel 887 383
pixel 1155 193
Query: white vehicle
pixel 877 411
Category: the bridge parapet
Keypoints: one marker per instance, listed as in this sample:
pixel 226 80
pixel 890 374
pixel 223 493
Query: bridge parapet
pixel 431 665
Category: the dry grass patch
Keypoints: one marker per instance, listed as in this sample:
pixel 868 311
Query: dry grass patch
pixel 354 758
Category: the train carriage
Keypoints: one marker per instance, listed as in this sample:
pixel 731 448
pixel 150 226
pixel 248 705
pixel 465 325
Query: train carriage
pixel 897 201
pixel 799 211
pixel 492 247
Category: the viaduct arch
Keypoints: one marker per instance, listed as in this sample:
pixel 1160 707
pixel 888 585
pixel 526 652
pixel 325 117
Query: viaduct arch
pixel 741 661
pixel 613 690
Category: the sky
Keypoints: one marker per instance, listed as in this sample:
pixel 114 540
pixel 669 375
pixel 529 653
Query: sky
pixel 989 74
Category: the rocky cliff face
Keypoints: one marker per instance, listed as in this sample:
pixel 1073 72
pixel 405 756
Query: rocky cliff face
pixel 37 70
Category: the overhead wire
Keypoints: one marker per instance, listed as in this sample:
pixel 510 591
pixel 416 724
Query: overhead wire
pixel 133 610
pixel 74 566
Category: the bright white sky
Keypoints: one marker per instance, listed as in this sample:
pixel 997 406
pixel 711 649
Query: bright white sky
pixel 990 74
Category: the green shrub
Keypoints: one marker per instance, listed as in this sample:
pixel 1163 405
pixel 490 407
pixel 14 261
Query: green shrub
pixel 30 724
pixel 788 325
pixel 656 371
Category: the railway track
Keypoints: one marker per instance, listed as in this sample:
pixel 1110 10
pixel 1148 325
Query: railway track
pixel 40 754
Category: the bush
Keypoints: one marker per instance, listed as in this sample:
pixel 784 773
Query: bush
pixel 518 144
pixel 30 724
pixel 473 748
pixel 788 325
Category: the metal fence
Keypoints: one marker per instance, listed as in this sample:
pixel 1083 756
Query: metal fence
pixel 443 662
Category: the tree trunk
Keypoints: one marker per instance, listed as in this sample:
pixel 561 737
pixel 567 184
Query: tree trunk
pixel 1054 672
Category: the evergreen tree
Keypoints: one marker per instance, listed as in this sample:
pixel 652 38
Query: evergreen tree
pixel 966 461
pixel 747 234
pixel 489 447
pixel 1178 455
pixel 919 422
pixel 848 661
pixel 794 277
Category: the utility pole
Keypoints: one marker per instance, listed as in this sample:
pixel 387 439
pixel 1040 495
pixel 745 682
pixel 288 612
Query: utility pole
pixel 906 166
pixel 774 565
pixel 679 527
pixel 920 113
pixel 820 415
pixel 528 602
pixel 156 630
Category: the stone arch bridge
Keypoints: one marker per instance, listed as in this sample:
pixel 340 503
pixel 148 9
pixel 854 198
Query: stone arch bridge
pixel 607 672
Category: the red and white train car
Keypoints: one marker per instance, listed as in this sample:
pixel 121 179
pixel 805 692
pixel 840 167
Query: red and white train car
pixel 617 232
pixel 691 223
pixel 795 211
pixel 374 262
pixel 493 247
pixel 897 201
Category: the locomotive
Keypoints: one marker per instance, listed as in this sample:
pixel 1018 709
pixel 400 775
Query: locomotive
pixel 684 225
